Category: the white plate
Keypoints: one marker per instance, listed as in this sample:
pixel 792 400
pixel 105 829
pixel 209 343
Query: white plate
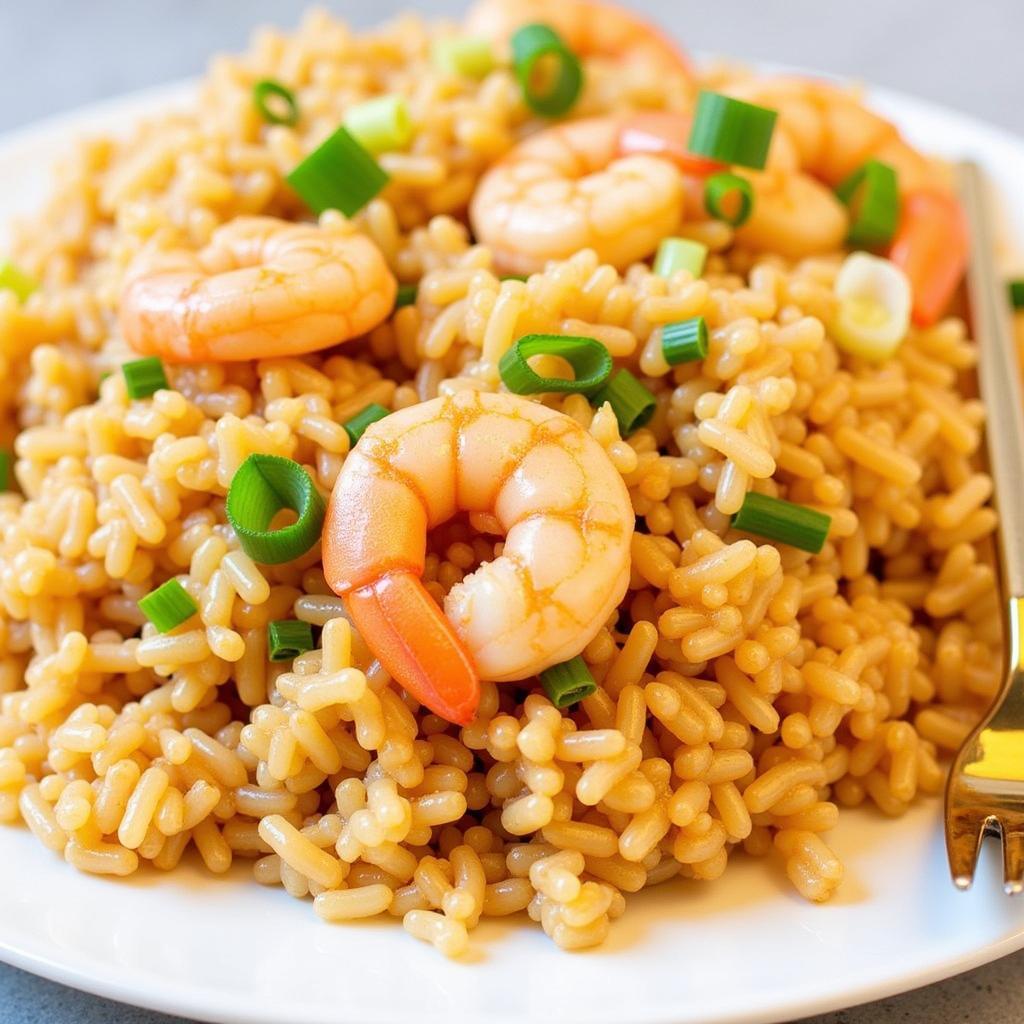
pixel 742 950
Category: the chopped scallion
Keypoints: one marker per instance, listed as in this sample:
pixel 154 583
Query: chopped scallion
pixel 261 487
pixel 680 254
pixel 631 402
pixel 143 377
pixel 356 427
pixel 381 124
pixel 168 606
pixel 288 638
pixel 515 277
pixel 568 683
pixel 729 198
pixel 727 129
pixel 275 102
pixel 534 49
pixel 406 295
pixel 1016 289
pixel 5 470
pixel 338 175
pixel 589 359
pixel 465 56
pixel 872 196
pixel 15 279
pixel 784 521
pixel 684 341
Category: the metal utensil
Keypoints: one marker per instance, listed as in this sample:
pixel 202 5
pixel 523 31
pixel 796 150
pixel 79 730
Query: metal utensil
pixel 985 792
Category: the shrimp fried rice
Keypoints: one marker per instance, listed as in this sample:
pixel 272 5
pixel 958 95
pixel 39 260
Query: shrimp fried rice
pixel 747 691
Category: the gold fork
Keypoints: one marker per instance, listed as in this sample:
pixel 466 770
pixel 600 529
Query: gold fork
pixel 985 792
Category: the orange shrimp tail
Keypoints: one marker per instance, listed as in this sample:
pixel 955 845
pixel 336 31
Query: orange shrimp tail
pixel 424 655
pixel 931 248
pixel 664 134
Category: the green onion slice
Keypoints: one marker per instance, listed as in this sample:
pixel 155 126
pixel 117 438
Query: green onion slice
pixel 5 470
pixel 16 280
pixel 533 48
pixel 261 487
pixel 276 104
pixel 784 521
pixel 515 277
pixel 729 130
pixel 338 175
pixel 288 638
pixel 680 254
pixel 632 403
pixel 406 295
pixel 872 196
pixel 144 377
pixel 465 56
pixel 381 124
pixel 684 341
pixel 590 360
pixel 168 606
pixel 729 198
pixel 568 683
pixel 1016 289
pixel 356 427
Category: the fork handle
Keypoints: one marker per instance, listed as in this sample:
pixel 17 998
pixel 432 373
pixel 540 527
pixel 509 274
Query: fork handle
pixel 999 378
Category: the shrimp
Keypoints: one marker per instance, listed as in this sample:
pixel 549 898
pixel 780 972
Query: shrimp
pixel 793 213
pixel 262 287
pixel 590 28
pixel 563 570
pixel 569 188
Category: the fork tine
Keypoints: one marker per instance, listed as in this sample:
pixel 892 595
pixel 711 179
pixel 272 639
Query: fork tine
pixel 965 829
pixel 1013 859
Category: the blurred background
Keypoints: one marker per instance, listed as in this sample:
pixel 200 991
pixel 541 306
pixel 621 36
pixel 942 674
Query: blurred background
pixel 60 54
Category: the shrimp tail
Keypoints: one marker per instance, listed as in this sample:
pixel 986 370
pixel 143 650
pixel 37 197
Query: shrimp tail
pixel 423 654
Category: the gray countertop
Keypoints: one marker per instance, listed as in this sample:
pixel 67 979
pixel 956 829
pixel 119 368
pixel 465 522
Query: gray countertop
pixel 60 54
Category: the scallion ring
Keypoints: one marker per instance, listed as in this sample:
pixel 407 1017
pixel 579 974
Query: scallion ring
pixel 730 130
pixel 783 521
pixel 261 487
pixel 590 360
pixel 1016 290
pixel 872 196
pixel 729 198
pixel 464 56
pixel 380 125
pixel 356 427
pixel 631 402
pixel 338 175
pixel 143 377
pixel 568 683
pixel 534 47
pixel 406 295
pixel 16 280
pixel 168 606
pixel 275 102
pixel 684 341
pixel 288 638
pixel 680 254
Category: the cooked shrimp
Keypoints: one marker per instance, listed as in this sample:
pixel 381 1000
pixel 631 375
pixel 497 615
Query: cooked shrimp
pixel 262 287
pixel 792 214
pixel 569 188
pixel 563 570
pixel 591 29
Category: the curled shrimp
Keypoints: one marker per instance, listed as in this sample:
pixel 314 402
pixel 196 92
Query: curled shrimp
pixel 262 287
pixel 569 188
pixel 563 570
pixel 589 27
